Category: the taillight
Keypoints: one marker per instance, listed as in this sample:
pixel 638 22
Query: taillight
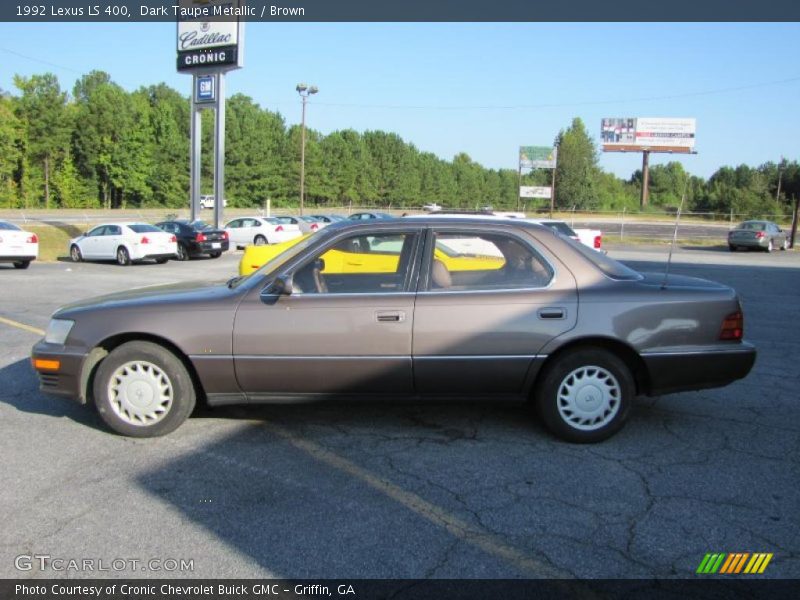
pixel 598 241
pixel 732 327
pixel 173 239
pixel 200 237
pixel 144 240
pixel 314 227
pixel 279 228
pixel 759 235
pixel 224 235
pixel 33 239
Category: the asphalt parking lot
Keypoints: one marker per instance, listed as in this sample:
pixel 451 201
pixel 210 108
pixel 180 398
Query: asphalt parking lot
pixel 368 491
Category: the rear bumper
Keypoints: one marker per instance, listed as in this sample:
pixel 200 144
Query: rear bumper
pixel 208 247
pixel 17 257
pixel 715 366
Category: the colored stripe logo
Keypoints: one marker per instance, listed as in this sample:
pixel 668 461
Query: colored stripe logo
pixel 732 563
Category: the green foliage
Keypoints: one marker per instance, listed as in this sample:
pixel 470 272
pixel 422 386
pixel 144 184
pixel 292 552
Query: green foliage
pixel 108 147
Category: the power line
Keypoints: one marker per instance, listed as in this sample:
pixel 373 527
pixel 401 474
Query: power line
pixel 44 62
pixel 568 104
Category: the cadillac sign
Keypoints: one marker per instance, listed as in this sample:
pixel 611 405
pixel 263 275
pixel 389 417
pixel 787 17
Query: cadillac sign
pixel 209 35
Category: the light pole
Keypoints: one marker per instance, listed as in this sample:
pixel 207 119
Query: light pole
pixel 304 91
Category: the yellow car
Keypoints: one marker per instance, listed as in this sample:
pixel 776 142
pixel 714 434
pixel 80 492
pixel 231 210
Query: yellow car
pixel 371 259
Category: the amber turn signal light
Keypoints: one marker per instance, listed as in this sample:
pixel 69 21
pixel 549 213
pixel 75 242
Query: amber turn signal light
pixel 43 364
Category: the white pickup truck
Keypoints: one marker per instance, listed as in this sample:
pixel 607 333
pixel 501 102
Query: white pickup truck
pixel 589 237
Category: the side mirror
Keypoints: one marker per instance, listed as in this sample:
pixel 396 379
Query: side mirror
pixel 283 285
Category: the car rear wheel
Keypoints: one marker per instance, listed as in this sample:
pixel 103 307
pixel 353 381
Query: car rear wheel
pixel 22 264
pixel 123 256
pixel 770 246
pixel 183 252
pixel 215 254
pixel 585 396
pixel 161 261
pixel 142 389
pixel 75 254
pixel 260 240
pixel 731 247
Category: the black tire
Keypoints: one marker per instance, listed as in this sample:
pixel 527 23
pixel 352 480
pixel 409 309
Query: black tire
pixel 22 264
pixel 260 240
pixel 183 252
pixel 731 247
pixel 610 411
pixel 75 253
pixel 161 261
pixel 215 254
pixel 785 245
pixel 152 361
pixel 123 256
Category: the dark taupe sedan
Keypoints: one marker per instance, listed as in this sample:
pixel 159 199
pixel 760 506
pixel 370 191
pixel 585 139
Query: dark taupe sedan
pixel 446 308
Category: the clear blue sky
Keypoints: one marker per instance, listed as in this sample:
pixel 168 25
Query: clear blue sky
pixel 480 88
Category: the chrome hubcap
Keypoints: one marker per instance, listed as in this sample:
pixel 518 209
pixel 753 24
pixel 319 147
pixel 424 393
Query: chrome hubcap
pixel 589 398
pixel 140 393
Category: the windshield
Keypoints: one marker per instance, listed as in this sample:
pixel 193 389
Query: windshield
pixel 610 267
pixel 8 226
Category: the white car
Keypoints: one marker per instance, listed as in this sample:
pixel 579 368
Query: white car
pixel 259 231
pixel 208 202
pixel 17 246
pixel 307 224
pixel 588 237
pixel 125 243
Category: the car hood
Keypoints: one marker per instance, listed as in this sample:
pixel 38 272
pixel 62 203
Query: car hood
pixel 190 292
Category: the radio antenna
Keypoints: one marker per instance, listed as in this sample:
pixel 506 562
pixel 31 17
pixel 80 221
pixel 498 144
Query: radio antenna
pixel 675 233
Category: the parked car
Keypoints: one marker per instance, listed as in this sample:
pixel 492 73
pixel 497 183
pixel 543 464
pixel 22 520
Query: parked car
pixel 330 218
pixel 17 246
pixel 366 216
pixel 306 224
pixel 196 238
pixel 208 202
pixel 761 235
pixel 124 242
pixel 260 231
pixel 570 329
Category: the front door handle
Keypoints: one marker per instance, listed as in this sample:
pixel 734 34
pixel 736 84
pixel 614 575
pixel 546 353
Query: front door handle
pixel 552 312
pixel 390 316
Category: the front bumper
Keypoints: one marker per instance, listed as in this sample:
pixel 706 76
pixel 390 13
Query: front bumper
pixel 696 369
pixel 67 379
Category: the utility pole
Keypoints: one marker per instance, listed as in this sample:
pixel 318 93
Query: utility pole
pixel 304 92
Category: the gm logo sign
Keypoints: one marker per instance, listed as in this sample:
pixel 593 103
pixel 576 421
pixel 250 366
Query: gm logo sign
pixel 205 89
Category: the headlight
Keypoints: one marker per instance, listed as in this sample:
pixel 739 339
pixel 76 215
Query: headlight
pixel 57 331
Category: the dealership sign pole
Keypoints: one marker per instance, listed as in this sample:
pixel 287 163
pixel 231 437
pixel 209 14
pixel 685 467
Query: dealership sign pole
pixel 210 42
pixel 646 135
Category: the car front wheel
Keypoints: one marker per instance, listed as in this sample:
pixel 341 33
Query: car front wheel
pixel 75 254
pixel 585 395
pixel 142 389
pixel 183 252
pixel 785 245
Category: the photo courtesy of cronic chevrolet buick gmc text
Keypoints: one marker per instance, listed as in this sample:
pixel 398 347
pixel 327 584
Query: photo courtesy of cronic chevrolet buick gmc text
pixel 423 308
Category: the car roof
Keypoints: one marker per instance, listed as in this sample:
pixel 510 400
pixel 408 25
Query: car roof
pixel 436 220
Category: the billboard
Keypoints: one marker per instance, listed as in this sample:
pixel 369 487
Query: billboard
pixel 209 35
pixel 635 134
pixel 532 191
pixel 537 157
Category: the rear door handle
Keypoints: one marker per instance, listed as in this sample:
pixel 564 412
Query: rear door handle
pixel 552 313
pixel 390 316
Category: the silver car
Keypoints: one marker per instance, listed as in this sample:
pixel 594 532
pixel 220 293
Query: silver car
pixel 761 235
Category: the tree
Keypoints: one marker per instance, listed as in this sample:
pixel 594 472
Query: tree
pixel 11 132
pixel 42 109
pixel 577 172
